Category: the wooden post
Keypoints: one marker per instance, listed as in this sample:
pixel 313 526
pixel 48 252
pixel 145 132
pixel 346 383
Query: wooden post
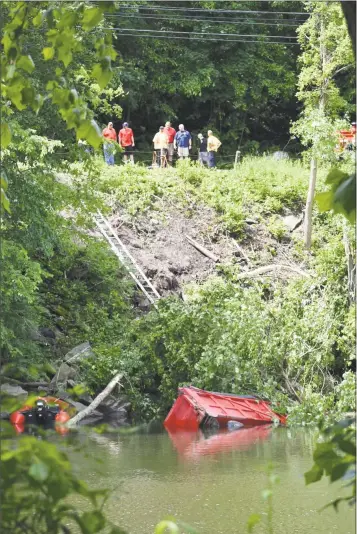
pixel 236 160
pixel 309 204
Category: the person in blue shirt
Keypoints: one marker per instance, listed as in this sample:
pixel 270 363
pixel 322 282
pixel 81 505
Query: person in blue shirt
pixel 183 142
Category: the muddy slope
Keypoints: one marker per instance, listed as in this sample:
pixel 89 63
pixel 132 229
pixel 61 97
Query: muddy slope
pixel 158 242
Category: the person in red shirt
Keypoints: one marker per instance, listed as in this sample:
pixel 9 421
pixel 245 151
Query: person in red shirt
pixel 110 137
pixel 126 141
pixel 170 132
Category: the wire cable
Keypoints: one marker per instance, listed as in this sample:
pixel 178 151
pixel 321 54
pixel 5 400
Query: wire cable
pixel 212 21
pixel 231 11
pixel 206 33
pixel 204 39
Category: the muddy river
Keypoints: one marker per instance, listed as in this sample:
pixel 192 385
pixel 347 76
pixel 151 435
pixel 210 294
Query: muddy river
pixel 214 483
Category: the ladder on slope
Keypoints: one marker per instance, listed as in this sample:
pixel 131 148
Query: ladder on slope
pixel 126 259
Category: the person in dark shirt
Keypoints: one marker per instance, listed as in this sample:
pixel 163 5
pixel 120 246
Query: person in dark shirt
pixel 203 154
pixel 183 142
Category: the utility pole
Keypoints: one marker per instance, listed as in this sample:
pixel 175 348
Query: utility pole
pixel 313 166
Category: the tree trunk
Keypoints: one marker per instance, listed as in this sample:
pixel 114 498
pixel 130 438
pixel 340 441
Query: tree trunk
pixel 274 267
pixel 313 168
pixel 309 204
pixel 87 411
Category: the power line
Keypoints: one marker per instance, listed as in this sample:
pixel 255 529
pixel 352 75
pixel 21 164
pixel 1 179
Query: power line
pixel 157 8
pixel 192 19
pixel 207 33
pixel 202 39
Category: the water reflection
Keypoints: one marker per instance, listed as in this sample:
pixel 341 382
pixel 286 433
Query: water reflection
pixel 213 482
pixel 193 445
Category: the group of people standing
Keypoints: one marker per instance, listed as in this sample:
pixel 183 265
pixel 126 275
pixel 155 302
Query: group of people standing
pixel 166 142
pixel 125 140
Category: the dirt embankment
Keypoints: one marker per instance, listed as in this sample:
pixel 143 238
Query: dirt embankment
pixel 158 241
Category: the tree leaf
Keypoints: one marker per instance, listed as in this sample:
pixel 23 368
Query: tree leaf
pixel 26 63
pixel 37 20
pixel 6 42
pixel 324 455
pixel 91 18
pixel 102 74
pixel 341 198
pixel 338 471
pixel 344 199
pixel 335 176
pixel 324 200
pixel 3 180
pixel 348 447
pixel 4 201
pixel 5 135
pixel 314 475
pixel 67 20
pixel 93 134
pixel 165 526
pixel 253 520
pixel 28 95
pixel 48 52
pixel 92 522
pixel 39 471
pixel 65 55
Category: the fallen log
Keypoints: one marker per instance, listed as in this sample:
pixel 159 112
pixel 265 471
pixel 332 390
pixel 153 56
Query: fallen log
pixel 202 249
pixel 268 268
pixel 93 405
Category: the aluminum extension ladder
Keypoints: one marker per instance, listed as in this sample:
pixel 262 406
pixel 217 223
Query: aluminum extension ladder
pixel 125 258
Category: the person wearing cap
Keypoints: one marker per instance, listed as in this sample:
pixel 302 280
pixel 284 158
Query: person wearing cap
pixel 170 132
pixel 126 141
pixel 183 142
pixel 110 137
pixel 161 145
pixel 213 144
pixel 203 154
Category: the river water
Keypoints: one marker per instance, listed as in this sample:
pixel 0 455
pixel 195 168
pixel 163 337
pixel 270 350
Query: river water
pixel 213 483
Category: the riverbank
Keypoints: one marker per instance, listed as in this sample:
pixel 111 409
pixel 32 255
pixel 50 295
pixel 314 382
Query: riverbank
pixel 264 316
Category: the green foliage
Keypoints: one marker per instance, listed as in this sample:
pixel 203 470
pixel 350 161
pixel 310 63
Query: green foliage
pixel 63 26
pixel 87 293
pixel 341 198
pixel 285 340
pixel 250 100
pixel 277 228
pixel 326 51
pixel 21 278
pixel 37 486
pixel 258 187
pixel 54 275
pixel 335 457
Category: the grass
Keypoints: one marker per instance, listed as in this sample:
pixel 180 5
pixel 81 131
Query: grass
pixel 259 188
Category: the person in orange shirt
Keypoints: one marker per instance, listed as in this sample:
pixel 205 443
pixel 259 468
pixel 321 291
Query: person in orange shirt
pixel 126 141
pixel 110 137
pixel 170 132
